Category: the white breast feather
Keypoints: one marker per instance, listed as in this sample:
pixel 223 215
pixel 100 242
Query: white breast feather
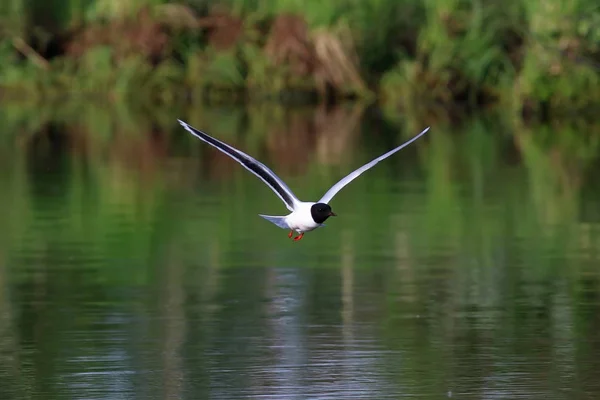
pixel 301 219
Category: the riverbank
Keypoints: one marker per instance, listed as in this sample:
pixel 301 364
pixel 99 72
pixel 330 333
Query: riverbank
pixel 530 57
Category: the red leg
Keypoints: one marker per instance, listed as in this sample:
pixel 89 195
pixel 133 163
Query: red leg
pixel 290 234
pixel 298 237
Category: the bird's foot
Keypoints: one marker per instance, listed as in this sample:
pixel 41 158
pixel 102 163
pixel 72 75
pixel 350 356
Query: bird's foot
pixel 299 237
pixel 290 234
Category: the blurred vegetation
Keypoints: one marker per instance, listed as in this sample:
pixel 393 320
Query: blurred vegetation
pixel 534 57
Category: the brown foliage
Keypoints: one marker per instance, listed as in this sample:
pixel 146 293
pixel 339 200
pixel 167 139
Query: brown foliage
pixel 326 57
pixel 321 55
pixel 224 29
pixel 140 35
pixel 289 44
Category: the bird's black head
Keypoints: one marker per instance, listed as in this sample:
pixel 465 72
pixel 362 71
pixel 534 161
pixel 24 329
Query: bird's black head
pixel 320 212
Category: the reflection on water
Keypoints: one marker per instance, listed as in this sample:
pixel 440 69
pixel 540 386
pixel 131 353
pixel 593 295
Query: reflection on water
pixel 133 264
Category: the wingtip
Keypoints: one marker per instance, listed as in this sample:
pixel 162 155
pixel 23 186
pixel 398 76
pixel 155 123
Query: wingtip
pixel 185 126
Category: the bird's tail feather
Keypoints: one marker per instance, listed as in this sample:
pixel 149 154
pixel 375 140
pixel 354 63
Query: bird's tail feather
pixel 279 221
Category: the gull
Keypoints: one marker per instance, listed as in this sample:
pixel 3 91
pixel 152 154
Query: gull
pixel 305 216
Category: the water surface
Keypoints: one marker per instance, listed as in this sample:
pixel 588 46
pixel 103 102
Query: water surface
pixel 133 264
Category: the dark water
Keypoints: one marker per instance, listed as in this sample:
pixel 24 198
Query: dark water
pixel 133 264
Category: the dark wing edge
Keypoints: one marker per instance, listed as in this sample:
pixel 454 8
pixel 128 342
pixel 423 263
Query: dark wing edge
pixel 265 174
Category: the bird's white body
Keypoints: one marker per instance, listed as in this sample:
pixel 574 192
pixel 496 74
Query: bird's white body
pixel 301 219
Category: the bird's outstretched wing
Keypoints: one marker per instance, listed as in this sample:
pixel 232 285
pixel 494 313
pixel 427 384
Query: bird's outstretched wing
pixel 353 175
pixel 252 165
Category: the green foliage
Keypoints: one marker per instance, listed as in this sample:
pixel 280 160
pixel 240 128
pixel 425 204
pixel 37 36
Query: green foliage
pixel 540 56
pixel 553 72
pixel 114 9
pixel 12 16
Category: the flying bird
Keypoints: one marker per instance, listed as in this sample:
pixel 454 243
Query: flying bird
pixel 305 216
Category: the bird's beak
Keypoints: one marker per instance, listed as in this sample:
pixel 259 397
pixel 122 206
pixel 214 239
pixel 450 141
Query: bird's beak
pixel 332 214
